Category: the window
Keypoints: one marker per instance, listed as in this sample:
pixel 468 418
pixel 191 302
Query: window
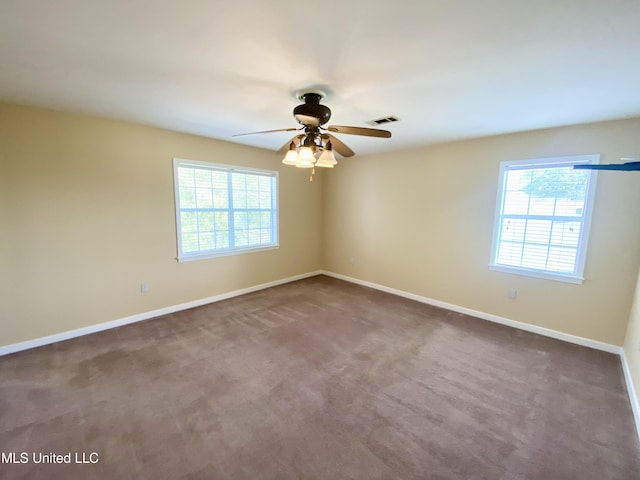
pixel 542 218
pixel 223 209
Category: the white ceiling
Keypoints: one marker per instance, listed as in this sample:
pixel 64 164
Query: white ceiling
pixel 449 69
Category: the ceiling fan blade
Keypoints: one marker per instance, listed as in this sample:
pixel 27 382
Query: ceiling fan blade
pixel 292 129
pixel 338 145
pixel 627 167
pixel 367 132
pixel 285 148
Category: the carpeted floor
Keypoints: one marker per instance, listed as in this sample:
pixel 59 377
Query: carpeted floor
pixel 317 379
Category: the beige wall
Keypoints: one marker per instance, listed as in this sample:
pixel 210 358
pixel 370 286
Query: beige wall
pixel 87 214
pixel 421 221
pixel 632 347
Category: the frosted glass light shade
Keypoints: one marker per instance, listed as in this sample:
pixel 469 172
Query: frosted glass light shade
pixel 305 158
pixel 306 153
pixel 304 164
pixel 291 158
pixel 327 159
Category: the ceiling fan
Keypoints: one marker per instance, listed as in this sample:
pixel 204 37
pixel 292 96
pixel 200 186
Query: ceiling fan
pixel 301 150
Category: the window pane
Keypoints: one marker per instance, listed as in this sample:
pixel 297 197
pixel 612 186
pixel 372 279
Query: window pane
pixel 253 199
pixel 254 219
pixel 207 241
pixel 265 220
pixel 538 231
pixel 239 182
pixel 189 221
pixel 265 235
pixel 221 220
pixel 565 234
pixel 265 199
pixel 185 177
pixel 513 229
pixel 265 183
pixel 568 208
pixel 541 206
pixel 204 198
pixel 240 220
pixel 534 256
pixel 253 182
pixel 241 238
pixel 222 239
pixel 254 236
pixel 205 221
pixel 516 203
pixel 561 259
pixel 190 242
pixel 239 199
pixel 517 179
pixel 203 178
pixel 220 179
pixel 220 198
pixel 510 253
pixel 187 197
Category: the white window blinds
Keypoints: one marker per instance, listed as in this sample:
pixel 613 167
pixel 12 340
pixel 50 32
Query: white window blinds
pixel 543 216
pixel 223 209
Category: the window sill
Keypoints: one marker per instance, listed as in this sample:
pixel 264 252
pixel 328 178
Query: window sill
pixel 530 272
pixel 224 253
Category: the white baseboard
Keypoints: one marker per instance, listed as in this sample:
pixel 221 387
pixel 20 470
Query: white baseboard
pixel 37 342
pixel 547 332
pixel 58 337
pixel 633 394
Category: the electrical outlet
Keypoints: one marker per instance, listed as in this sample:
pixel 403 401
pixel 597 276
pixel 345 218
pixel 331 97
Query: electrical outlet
pixel 144 287
pixel 513 293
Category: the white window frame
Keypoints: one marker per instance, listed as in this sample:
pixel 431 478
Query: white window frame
pixel 214 253
pixel 577 276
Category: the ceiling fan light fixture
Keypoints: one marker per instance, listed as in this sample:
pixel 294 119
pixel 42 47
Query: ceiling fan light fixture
pixel 306 157
pixel 304 164
pixel 291 157
pixel 312 145
pixel 327 159
pixel 306 154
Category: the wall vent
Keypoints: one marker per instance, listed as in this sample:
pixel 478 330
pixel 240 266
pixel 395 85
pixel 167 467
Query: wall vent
pixel 383 120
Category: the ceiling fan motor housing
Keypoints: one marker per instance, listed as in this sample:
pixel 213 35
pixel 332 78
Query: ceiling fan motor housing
pixel 311 112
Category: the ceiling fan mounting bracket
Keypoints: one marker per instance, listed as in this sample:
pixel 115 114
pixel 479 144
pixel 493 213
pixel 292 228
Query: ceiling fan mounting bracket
pixel 301 94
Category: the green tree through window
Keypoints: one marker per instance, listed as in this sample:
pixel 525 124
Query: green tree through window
pixel 562 183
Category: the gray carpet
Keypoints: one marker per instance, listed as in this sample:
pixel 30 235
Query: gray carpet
pixel 317 379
